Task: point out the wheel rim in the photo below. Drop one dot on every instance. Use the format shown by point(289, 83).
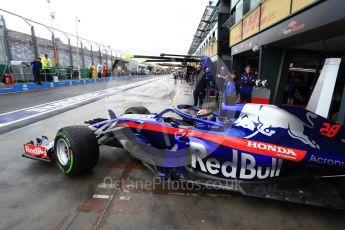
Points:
point(62, 152)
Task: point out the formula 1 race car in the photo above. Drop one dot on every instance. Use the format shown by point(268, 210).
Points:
point(291, 157)
point(277, 152)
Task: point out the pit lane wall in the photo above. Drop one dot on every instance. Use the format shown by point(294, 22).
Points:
point(47, 85)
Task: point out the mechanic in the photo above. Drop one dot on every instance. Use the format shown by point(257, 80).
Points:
point(209, 75)
point(247, 83)
point(201, 85)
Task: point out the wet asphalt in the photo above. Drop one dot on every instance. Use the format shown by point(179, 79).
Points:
point(14, 101)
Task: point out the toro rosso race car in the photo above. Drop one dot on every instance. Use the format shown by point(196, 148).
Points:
point(276, 152)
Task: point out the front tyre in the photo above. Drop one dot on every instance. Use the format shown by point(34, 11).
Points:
point(76, 150)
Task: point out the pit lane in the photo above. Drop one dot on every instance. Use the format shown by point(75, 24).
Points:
point(38, 196)
point(58, 101)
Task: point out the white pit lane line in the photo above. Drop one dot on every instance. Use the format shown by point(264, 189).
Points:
point(68, 102)
point(100, 196)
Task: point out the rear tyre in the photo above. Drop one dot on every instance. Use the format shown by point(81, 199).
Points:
point(76, 150)
point(137, 110)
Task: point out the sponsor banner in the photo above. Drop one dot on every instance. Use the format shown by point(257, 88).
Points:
point(297, 5)
point(236, 34)
point(34, 150)
point(270, 12)
point(296, 25)
point(251, 24)
point(273, 11)
point(293, 27)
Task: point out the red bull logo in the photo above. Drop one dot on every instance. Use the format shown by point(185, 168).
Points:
point(38, 151)
point(264, 119)
point(293, 26)
point(242, 166)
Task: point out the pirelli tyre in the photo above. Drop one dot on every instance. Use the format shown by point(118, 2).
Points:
point(76, 149)
point(137, 110)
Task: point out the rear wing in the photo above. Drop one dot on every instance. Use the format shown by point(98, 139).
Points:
point(321, 97)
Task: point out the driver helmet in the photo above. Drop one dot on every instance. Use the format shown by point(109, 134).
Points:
point(205, 113)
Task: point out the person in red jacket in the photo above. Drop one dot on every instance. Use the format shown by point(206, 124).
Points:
point(105, 70)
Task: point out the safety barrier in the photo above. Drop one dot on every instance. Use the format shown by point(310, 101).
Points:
point(47, 85)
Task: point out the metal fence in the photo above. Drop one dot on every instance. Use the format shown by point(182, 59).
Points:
point(66, 57)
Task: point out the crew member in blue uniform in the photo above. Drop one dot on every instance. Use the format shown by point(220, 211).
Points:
point(247, 83)
point(202, 80)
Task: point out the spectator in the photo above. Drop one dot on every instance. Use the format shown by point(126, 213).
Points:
point(36, 70)
point(94, 72)
point(99, 70)
point(201, 85)
point(105, 70)
point(90, 70)
point(46, 66)
point(247, 83)
point(8, 79)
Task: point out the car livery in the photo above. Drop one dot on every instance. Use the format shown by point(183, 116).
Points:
point(278, 152)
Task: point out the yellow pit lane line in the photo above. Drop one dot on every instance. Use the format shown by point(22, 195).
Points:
point(175, 97)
